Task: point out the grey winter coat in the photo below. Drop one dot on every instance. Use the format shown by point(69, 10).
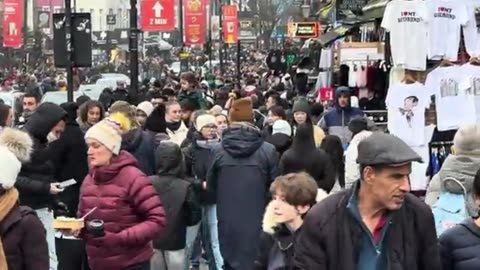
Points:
point(462, 168)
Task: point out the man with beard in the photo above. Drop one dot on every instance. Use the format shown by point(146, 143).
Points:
point(243, 167)
point(31, 101)
point(375, 225)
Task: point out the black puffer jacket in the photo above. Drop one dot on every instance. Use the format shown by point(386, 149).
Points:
point(198, 159)
point(35, 177)
point(303, 156)
point(242, 170)
point(69, 155)
point(177, 195)
point(460, 247)
point(330, 234)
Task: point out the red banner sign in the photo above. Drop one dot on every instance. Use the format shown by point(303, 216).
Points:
point(194, 25)
point(158, 15)
point(12, 23)
point(230, 24)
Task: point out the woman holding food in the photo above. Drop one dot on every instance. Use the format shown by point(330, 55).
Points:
point(124, 212)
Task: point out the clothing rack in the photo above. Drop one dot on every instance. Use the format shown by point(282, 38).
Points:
point(437, 152)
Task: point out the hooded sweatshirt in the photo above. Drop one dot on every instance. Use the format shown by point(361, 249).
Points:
point(335, 122)
point(461, 168)
point(304, 156)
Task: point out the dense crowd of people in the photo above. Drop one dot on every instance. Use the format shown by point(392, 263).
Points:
point(237, 177)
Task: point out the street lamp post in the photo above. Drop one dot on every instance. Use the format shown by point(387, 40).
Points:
point(133, 48)
point(68, 35)
point(305, 9)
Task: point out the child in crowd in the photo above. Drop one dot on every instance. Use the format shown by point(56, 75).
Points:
point(460, 245)
point(293, 195)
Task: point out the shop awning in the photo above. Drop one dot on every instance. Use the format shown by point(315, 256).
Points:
point(336, 33)
point(374, 9)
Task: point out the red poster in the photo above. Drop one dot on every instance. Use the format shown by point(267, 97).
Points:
point(195, 18)
point(12, 23)
point(230, 24)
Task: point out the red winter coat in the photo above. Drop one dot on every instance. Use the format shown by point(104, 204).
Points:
point(130, 208)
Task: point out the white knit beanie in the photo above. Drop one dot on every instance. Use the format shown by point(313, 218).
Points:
point(203, 121)
point(107, 132)
point(15, 148)
point(146, 107)
point(467, 140)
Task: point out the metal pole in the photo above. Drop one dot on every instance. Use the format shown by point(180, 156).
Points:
point(68, 33)
point(239, 46)
point(210, 51)
point(180, 25)
point(25, 35)
point(133, 48)
point(220, 22)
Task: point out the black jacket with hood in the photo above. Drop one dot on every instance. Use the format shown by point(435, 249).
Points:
point(242, 170)
point(69, 155)
point(36, 176)
point(177, 195)
point(303, 156)
point(197, 160)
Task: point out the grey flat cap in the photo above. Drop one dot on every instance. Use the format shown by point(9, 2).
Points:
point(386, 149)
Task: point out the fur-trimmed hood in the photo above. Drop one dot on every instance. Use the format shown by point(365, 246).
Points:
point(18, 142)
point(269, 223)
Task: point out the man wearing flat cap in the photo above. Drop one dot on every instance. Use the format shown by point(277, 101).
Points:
point(375, 225)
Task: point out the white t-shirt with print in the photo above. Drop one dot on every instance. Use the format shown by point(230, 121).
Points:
point(406, 105)
point(471, 32)
point(446, 17)
point(455, 107)
point(471, 85)
point(407, 23)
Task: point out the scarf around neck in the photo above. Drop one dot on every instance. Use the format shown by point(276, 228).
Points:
point(8, 200)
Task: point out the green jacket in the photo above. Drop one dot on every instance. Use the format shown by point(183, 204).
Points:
point(195, 97)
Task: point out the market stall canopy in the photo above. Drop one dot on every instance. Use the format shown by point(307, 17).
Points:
point(374, 9)
point(159, 42)
point(371, 10)
point(336, 33)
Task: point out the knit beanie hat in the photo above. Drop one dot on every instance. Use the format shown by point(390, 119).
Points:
point(126, 109)
point(467, 140)
point(15, 148)
point(301, 105)
point(282, 127)
point(146, 107)
point(203, 121)
point(241, 110)
point(109, 131)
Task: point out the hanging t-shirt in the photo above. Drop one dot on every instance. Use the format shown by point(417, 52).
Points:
point(406, 104)
point(471, 32)
point(455, 107)
point(407, 23)
point(445, 20)
point(471, 85)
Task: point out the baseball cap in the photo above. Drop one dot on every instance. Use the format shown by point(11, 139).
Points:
point(385, 149)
